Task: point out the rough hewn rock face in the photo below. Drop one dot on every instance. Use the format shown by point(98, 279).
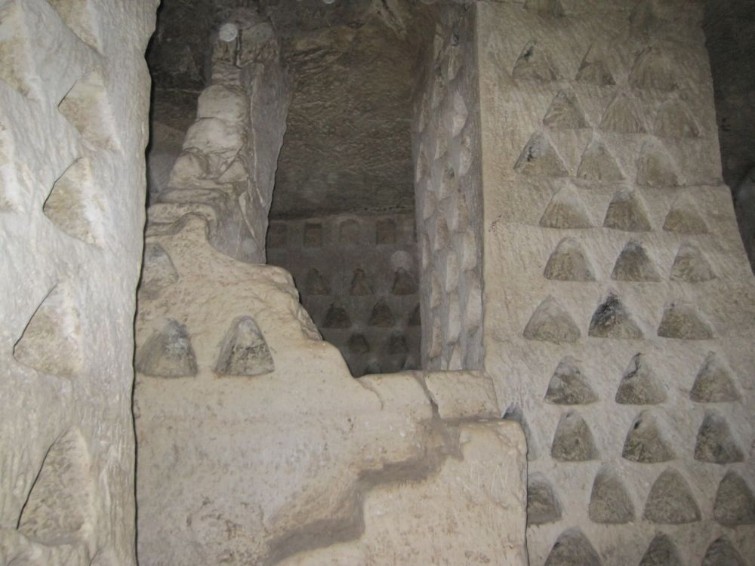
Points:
point(302, 462)
point(227, 166)
point(446, 145)
point(348, 141)
point(74, 96)
point(619, 303)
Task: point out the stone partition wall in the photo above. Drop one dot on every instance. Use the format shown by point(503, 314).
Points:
point(227, 168)
point(446, 147)
point(619, 302)
point(74, 95)
point(357, 276)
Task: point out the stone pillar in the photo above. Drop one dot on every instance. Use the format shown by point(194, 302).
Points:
point(619, 302)
point(226, 171)
point(448, 188)
point(74, 96)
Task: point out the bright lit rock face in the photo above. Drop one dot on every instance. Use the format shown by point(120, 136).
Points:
point(74, 96)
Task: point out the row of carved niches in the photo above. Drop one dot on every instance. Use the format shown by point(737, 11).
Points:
point(569, 261)
point(668, 501)
point(621, 209)
point(168, 351)
point(573, 547)
point(551, 322)
point(640, 384)
point(357, 276)
point(341, 231)
point(375, 333)
point(651, 439)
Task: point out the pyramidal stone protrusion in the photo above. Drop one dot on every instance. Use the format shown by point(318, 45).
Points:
point(572, 547)
point(18, 69)
point(336, 317)
point(396, 344)
point(609, 500)
point(645, 442)
point(73, 206)
point(722, 553)
point(77, 15)
point(627, 212)
point(62, 501)
point(315, 283)
point(534, 64)
point(573, 440)
point(540, 159)
point(621, 117)
point(381, 315)
point(661, 552)
point(655, 168)
point(551, 323)
point(51, 341)
point(714, 382)
point(542, 504)
point(653, 71)
point(715, 443)
point(670, 500)
point(404, 283)
point(685, 218)
point(566, 211)
point(167, 353)
point(691, 265)
point(598, 164)
point(569, 262)
point(568, 386)
point(684, 322)
point(565, 113)
point(633, 264)
point(639, 385)
point(594, 70)
point(158, 271)
point(735, 502)
point(551, 8)
point(360, 286)
point(87, 107)
point(358, 344)
point(612, 320)
point(674, 120)
point(244, 351)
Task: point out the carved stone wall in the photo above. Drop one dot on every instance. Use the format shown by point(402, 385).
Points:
point(74, 95)
point(619, 302)
point(357, 277)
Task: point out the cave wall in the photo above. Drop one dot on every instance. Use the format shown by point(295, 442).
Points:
point(618, 299)
point(74, 97)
